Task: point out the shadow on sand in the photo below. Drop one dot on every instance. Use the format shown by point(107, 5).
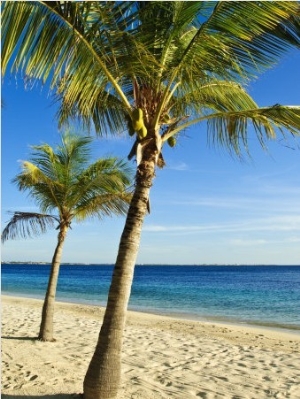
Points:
point(52, 396)
point(20, 338)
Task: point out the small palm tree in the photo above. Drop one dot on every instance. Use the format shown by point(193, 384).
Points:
point(62, 179)
point(156, 67)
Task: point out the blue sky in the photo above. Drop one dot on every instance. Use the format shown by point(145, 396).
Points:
point(207, 207)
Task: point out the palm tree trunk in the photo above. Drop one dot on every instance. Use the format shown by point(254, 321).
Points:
point(103, 376)
point(46, 327)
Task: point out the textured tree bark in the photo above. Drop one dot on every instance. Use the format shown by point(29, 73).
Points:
point(103, 377)
point(46, 327)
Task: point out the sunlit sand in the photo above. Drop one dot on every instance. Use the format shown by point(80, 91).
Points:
point(162, 357)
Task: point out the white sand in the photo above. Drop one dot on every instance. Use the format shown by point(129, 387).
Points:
point(162, 357)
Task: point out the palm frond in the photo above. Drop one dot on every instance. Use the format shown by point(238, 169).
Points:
point(74, 152)
point(64, 179)
point(117, 169)
point(94, 51)
point(229, 111)
point(234, 41)
point(38, 179)
point(44, 42)
point(106, 111)
point(211, 96)
point(27, 225)
point(108, 176)
point(242, 39)
point(232, 129)
point(103, 205)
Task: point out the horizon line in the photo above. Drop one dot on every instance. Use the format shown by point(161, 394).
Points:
point(148, 264)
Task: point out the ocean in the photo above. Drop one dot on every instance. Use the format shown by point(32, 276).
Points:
point(258, 295)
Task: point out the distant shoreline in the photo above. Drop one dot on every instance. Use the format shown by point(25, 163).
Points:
point(151, 264)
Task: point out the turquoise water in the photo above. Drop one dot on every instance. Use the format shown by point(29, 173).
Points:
point(262, 295)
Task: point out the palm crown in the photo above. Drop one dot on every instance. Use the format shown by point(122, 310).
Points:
point(180, 62)
point(63, 180)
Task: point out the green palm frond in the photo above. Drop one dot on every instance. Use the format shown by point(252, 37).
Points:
point(219, 43)
point(232, 129)
point(105, 112)
point(31, 174)
point(236, 37)
point(211, 96)
point(230, 111)
point(39, 179)
point(258, 33)
point(46, 43)
point(106, 177)
point(74, 153)
point(27, 224)
point(110, 168)
point(63, 177)
point(100, 43)
point(95, 53)
point(103, 205)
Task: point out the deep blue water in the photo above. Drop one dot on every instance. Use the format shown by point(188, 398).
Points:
point(264, 295)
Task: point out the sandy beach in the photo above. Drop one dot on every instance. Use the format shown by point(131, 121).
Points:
point(162, 358)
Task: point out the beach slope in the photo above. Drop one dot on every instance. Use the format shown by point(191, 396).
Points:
point(162, 357)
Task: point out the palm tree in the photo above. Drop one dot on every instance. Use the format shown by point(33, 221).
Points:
point(157, 67)
point(62, 179)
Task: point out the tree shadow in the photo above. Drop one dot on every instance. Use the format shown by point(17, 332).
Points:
point(52, 396)
point(20, 338)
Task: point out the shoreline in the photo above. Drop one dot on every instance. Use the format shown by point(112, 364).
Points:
point(91, 310)
point(155, 264)
point(293, 329)
point(162, 358)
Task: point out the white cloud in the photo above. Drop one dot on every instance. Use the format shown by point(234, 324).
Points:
point(292, 240)
point(180, 166)
point(269, 224)
point(247, 243)
point(286, 205)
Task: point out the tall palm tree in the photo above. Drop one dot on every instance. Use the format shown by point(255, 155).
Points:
point(157, 67)
point(63, 179)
